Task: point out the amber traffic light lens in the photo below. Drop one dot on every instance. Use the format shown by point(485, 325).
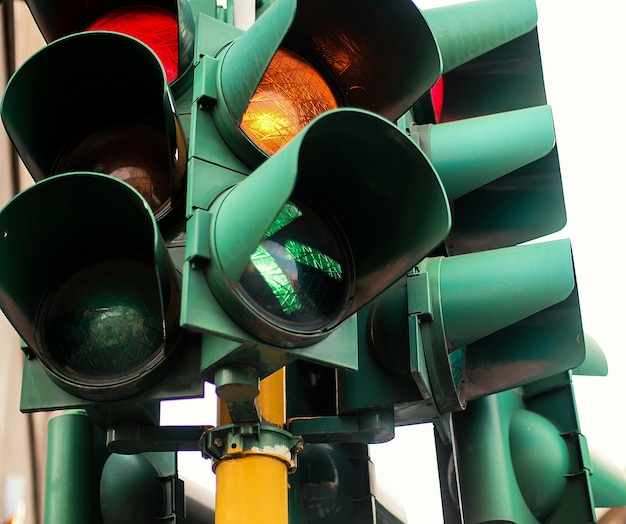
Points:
point(290, 95)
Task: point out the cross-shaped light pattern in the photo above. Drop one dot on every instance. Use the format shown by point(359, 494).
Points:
point(274, 274)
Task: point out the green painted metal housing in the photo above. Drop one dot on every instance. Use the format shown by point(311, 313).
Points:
point(492, 63)
point(99, 367)
point(343, 42)
point(75, 457)
point(92, 229)
point(464, 327)
point(87, 68)
point(471, 153)
point(505, 165)
point(321, 32)
point(223, 182)
point(518, 323)
point(520, 457)
point(141, 489)
point(367, 161)
point(91, 252)
point(494, 150)
point(458, 29)
point(85, 483)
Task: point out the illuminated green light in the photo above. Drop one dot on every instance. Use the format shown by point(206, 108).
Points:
point(297, 273)
point(314, 258)
point(276, 279)
point(272, 272)
point(286, 215)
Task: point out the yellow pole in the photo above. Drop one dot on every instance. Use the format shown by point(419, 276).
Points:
point(252, 486)
point(271, 399)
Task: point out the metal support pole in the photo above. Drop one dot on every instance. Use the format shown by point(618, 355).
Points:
point(70, 495)
point(252, 478)
point(251, 489)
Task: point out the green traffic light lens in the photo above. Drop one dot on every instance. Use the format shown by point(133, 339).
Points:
point(103, 324)
point(299, 275)
point(135, 153)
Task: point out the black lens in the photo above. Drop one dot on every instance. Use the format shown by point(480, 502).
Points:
point(136, 153)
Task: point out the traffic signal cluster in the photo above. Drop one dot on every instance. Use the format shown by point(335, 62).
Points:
point(341, 189)
point(543, 464)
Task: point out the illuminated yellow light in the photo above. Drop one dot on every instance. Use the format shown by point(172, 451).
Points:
point(290, 95)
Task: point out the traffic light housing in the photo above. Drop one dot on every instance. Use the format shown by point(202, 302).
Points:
point(141, 488)
point(462, 327)
point(519, 456)
point(86, 483)
point(97, 137)
point(89, 329)
point(253, 285)
point(479, 80)
point(101, 316)
point(166, 26)
point(480, 314)
point(336, 483)
point(317, 45)
point(362, 268)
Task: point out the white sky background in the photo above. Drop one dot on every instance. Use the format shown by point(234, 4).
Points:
point(582, 54)
point(582, 46)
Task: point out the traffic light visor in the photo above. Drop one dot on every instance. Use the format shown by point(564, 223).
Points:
point(303, 58)
point(101, 114)
point(154, 26)
point(92, 291)
point(165, 26)
point(322, 227)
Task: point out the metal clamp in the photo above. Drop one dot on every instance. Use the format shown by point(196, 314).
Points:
point(237, 440)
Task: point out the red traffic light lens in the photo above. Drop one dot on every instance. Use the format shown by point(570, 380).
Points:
point(154, 26)
point(290, 95)
point(436, 95)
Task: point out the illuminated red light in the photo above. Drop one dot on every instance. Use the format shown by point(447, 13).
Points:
point(154, 26)
point(436, 95)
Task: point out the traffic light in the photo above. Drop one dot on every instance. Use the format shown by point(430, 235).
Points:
point(141, 488)
point(298, 209)
point(89, 273)
point(481, 314)
point(336, 483)
point(166, 26)
point(492, 82)
point(519, 456)
point(85, 483)
point(462, 327)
